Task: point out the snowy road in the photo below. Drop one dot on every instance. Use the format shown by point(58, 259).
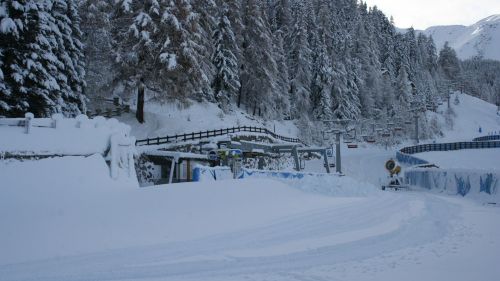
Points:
point(409, 234)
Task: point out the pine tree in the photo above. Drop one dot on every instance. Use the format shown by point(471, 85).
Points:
point(300, 60)
point(449, 63)
point(226, 81)
point(96, 27)
point(258, 83)
point(42, 59)
point(403, 91)
point(321, 89)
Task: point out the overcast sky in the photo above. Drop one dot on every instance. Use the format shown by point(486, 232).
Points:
point(424, 13)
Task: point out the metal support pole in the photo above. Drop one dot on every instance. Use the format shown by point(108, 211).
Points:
point(172, 167)
point(337, 150)
point(416, 128)
point(295, 154)
point(327, 165)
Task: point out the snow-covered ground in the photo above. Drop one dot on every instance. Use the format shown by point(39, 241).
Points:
point(256, 229)
point(471, 114)
point(476, 159)
point(172, 118)
point(66, 219)
point(481, 38)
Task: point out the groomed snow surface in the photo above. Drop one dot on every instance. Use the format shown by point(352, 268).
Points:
point(69, 221)
point(66, 219)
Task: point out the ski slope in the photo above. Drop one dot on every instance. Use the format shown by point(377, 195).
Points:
point(470, 115)
point(65, 219)
point(250, 230)
point(56, 228)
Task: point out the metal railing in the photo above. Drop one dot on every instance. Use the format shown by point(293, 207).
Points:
point(211, 134)
point(488, 138)
point(405, 154)
point(450, 146)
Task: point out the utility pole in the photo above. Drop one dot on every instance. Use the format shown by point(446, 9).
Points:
point(337, 150)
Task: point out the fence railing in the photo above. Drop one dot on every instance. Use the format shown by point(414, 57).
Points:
point(211, 134)
point(112, 107)
point(450, 146)
point(405, 154)
point(488, 138)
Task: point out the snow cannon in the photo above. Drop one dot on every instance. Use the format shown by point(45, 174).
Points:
point(392, 167)
point(394, 181)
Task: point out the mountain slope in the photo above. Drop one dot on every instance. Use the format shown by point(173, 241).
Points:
point(481, 38)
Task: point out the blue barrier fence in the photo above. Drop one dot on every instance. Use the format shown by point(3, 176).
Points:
point(456, 182)
point(409, 159)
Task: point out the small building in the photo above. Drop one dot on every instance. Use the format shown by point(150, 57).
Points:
point(176, 167)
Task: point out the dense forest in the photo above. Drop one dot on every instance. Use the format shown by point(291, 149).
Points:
point(279, 59)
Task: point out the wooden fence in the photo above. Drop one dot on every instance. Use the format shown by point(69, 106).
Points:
point(211, 134)
point(112, 107)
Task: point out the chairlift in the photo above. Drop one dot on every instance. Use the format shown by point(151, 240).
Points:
point(408, 122)
point(386, 135)
point(398, 129)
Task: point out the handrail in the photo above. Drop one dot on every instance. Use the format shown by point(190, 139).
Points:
point(488, 138)
point(450, 146)
point(213, 133)
point(405, 154)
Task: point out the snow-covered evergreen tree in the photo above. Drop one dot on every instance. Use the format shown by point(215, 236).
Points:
point(300, 62)
point(226, 82)
point(96, 27)
point(42, 67)
point(321, 89)
point(449, 63)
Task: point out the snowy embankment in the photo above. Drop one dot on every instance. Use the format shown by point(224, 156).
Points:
point(59, 139)
point(80, 136)
point(174, 118)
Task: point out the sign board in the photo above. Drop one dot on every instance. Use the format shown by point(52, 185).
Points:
point(329, 152)
point(236, 153)
point(212, 155)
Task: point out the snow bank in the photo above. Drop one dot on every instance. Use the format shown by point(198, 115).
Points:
point(54, 217)
point(476, 184)
point(324, 184)
point(60, 136)
point(69, 173)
